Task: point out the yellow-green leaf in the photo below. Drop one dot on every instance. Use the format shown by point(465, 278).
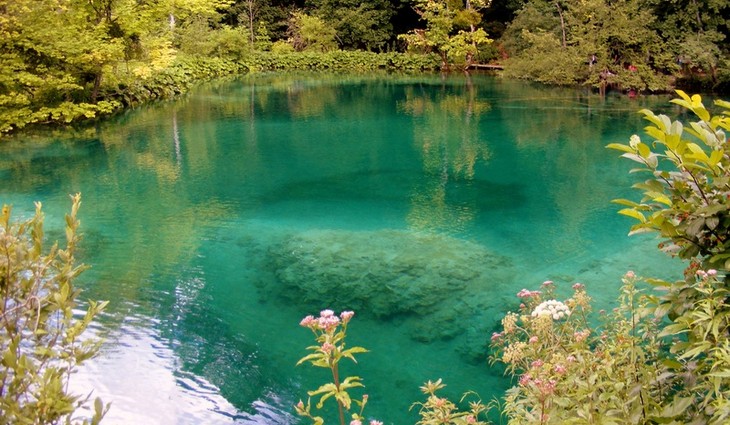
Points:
point(630, 212)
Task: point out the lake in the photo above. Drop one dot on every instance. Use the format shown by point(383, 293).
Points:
point(215, 222)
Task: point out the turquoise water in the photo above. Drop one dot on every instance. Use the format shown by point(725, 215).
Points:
point(215, 222)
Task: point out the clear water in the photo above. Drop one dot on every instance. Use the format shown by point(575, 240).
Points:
point(215, 222)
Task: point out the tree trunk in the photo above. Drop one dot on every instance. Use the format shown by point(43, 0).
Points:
point(562, 24)
point(97, 86)
point(251, 14)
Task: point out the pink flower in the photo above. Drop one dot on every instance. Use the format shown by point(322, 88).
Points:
point(547, 387)
point(470, 419)
point(578, 286)
point(524, 293)
point(525, 380)
point(533, 339)
point(364, 398)
point(496, 336)
point(570, 358)
point(547, 283)
point(523, 306)
point(374, 422)
point(630, 275)
point(355, 422)
point(346, 316)
point(326, 313)
point(712, 272)
point(581, 336)
point(328, 322)
point(307, 322)
point(559, 369)
point(327, 347)
point(536, 364)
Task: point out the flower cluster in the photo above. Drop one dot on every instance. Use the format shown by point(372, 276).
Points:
point(551, 308)
point(704, 274)
point(524, 293)
point(509, 322)
point(326, 321)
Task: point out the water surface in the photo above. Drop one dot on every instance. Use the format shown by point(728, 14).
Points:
point(215, 222)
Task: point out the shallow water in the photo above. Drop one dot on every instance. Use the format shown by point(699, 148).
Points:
point(215, 222)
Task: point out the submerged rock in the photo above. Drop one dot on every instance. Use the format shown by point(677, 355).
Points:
point(437, 279)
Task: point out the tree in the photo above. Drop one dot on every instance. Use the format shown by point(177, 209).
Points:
point(363, 25)
point(591, 42)
point(311, 33)
point(40, 333)
point(53, 57)
point(451, 31)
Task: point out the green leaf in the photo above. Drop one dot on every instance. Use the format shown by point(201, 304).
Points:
point(620, 147)
point(354, 350)
point(650, 116)
point(626, 202)
point(656, 133)
point(644, 150)
point(630, 212)
point(314, 357)
point(716, 157)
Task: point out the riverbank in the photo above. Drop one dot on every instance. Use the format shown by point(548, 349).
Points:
point(126, 86)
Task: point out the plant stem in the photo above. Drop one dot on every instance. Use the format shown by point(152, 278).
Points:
point(336, 380)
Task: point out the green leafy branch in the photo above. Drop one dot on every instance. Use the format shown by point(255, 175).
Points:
point(686, 199)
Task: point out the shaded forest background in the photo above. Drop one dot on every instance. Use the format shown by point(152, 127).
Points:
point(65, 60)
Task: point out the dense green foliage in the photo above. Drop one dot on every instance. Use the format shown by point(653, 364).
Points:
point(660, 357)
point(687, 197)
point(41, 341)
point(67, 60)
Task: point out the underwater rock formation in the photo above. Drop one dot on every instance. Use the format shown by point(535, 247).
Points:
point(387, 273)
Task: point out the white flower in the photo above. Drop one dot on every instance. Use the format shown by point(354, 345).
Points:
point(552, 308)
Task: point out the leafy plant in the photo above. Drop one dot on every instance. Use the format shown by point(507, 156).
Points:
point(41, 332)
point(451, 31)
point(570, 372)
point(686, 201)
point(330, 332)
point(687, 197)
point(442, 411)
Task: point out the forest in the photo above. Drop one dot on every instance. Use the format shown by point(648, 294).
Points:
point(70, 60)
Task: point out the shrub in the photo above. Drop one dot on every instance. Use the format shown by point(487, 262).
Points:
point(40, 329)
point(570, 372)
point(686, 199)
point(657, 359)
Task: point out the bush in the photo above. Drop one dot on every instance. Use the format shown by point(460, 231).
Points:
point(656, 359)
point(40, 333)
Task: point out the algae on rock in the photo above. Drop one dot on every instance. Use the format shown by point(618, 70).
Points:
point(387, 273)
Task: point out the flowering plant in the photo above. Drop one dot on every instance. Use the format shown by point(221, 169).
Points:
point(441, 411)
point(569, 371)
point(330, 331)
